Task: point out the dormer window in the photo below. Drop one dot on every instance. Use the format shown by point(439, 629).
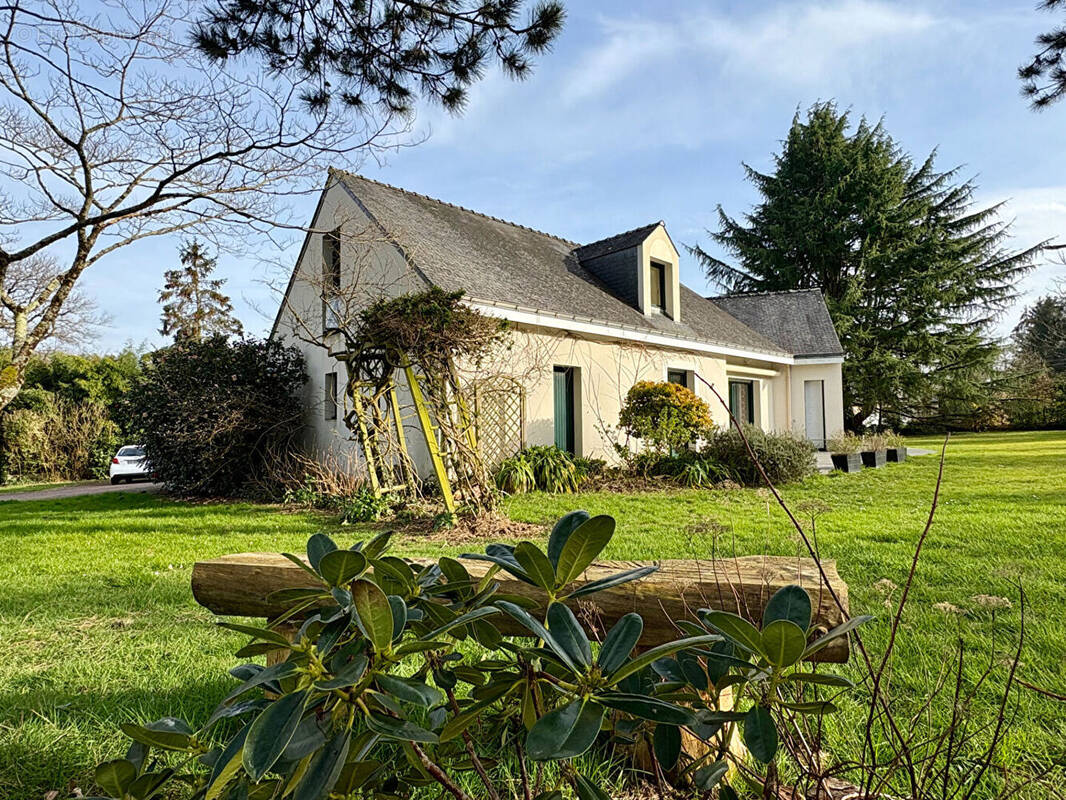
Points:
point(658, 287)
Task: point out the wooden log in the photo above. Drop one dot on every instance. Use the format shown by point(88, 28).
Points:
point(239, 585)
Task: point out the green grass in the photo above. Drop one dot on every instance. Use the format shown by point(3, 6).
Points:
point(99, 625)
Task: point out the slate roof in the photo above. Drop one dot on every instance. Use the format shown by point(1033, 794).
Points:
point(620, 241)
point(796, 320)
point(502, 263)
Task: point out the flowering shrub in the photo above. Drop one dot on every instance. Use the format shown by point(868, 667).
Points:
point(665, 416)
point(209, 412)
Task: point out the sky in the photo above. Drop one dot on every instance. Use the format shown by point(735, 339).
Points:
point(648, 111)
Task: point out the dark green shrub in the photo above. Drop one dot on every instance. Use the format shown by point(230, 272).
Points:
point(785, 457)
point(210, 413)
point(546, 468)
point(377, 697)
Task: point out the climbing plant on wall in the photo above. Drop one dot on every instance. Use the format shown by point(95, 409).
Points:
point(426, 337)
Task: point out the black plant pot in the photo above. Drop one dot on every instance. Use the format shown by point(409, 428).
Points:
point(897, 455)
point(847, 462)
point(874, 458)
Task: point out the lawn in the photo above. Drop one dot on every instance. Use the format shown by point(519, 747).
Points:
point(100, 625)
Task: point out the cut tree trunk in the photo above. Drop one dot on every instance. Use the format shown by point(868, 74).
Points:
point(239, 585)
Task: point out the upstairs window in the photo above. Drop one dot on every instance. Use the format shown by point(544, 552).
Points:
point(331, 262)
point(658, 287)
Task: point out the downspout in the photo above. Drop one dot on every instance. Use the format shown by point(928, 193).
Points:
point(788, 397)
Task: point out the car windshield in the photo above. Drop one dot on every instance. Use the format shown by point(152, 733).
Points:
point(131, 451)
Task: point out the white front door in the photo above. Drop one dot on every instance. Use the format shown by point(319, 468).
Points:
point(814, 409)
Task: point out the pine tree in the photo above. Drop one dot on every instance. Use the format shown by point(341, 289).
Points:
point(913, 274)
point(193, 304)
point(1044, 77)
point(1041, 332)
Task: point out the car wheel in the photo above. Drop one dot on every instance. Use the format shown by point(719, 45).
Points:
point(115, 480)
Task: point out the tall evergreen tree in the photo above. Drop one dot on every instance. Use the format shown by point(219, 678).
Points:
point(914, 275)
point(193, 304)
point(1041, 332)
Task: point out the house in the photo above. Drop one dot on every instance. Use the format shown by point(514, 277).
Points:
point(587, 322)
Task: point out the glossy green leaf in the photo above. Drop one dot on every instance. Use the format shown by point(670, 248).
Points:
point(561, 532)
point(566, 732)
point(377, 546)
point(166, 734)
point(115, 777)
point(692, 669)
point(536, 565)
point(302, 565)
point(270, 733)
point(338, 567)
point(399, 615)
point(791, 603)
point(459, 621)
point(619, 642)
point(783, 642)
point(582, 547)
point(612, 581)
point(817, 708)
point(666, 742)
point(399, 729)
point(569, 634)
point(289, 597)
point(553, 794)
point(587, 790)
point(661, 651)
point(317, 546)
point(264, 634)
point(645, 707)
point(737, 629)
point(348, 675)
point(409, 690)
point(324, 770)
point(148, 783)
point(522, 616)
point(840, 630)
point(508, 563)
point(227, 764)
point(760, 734)
point(706, 778)
point(276, 672)
point(374, 614)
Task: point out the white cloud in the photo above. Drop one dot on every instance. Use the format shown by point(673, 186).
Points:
point(794, 45)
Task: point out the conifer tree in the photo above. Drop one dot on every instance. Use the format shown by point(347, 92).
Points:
point(194, 306)
point(914, 274)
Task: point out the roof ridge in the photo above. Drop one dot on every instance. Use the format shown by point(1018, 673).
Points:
point(762, 294)
point(622, 233)
point(573, 245)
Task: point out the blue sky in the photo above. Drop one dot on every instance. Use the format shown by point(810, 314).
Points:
point(645, 111)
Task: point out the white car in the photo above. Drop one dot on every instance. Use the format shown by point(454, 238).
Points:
point(129, 464)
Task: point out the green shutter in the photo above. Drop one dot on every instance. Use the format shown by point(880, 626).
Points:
point(564, 408)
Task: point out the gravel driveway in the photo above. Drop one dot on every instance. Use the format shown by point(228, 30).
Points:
point(80, 490)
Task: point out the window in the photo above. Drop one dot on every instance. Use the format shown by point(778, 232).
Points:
point(331, 281)
point(742, 401)
point(658, 287)
point(331, 262)
point(678, 376)
point(330, 395)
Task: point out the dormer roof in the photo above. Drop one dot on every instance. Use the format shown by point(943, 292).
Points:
point(499, 263)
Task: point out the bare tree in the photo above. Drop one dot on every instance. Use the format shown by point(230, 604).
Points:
point(114, 129)
point(76, 326)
